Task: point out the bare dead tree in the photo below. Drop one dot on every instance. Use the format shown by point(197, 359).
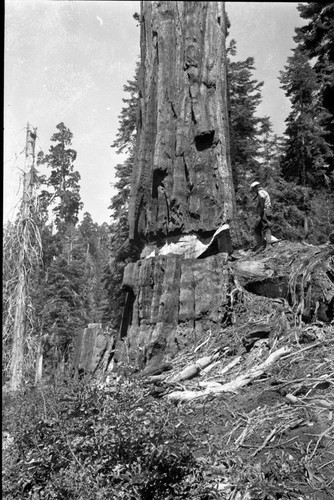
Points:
point(28, 243)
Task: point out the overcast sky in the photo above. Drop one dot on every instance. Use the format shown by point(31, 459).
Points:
point(67, 61)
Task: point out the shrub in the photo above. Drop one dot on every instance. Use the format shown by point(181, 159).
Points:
point(80, 442)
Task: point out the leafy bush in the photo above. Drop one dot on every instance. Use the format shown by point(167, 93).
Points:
point(83, 442)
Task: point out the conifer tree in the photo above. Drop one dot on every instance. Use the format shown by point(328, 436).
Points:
point(253, 145)
point(95, 243)
point(61, 298)
point(244, 97)
point(65, 302)
point(316, 40)
point(307, 152)
point(121, 253)
point(63, 179)
point(22, 252)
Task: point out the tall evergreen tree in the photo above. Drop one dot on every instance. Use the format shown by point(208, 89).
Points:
point(63, 179)
point(95, 241)
point(121, 253)
point(254, 148)
point(125, 143)
point(307, 151)
point(244, 98)
point(61, 297)
point(316, 40)
point(65, 302)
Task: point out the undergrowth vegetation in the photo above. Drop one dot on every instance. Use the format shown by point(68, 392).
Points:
point(271, 440)
point(79, 442)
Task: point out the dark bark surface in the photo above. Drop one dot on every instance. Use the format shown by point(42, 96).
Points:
point(182, 180)
point(92, 349)
point(177, 300)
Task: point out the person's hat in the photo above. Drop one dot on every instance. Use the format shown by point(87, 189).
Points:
point(253, 185)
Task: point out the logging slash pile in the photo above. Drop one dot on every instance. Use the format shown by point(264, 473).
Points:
point(259, 395)
point(262, 408)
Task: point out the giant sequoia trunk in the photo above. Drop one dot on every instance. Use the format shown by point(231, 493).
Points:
point(182, 190)
point(182, 181)
point(182, 202)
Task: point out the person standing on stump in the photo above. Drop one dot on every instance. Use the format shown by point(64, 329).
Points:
point(262, 227)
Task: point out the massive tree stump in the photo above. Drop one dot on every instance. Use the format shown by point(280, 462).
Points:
point(176, 300)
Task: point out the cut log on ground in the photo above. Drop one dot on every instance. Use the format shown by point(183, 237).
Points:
point(194, 369)
point(233, 385)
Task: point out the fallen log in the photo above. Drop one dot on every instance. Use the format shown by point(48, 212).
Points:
point(155, 378)
point(194, 369)
point(156, 368)
point(233, 385)
point(228, 367)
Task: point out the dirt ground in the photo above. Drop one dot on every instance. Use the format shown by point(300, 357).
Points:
point(265, 445)
point(274, 437)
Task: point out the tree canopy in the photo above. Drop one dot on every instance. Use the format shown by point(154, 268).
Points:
point(63, 179)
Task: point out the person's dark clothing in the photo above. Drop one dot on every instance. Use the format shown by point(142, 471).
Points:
point(262, 228)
